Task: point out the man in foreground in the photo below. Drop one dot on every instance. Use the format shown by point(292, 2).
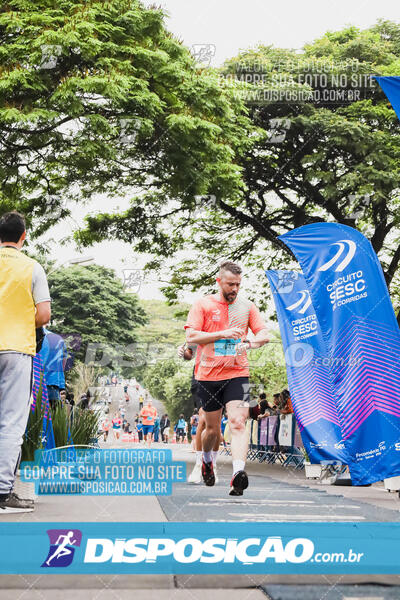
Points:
point(24, 306)
point(219, 324)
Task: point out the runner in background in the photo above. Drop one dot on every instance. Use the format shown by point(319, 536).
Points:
point(106, 426)
point(165, 424)
point(194, 421)
point(141, 400)
point(180, 429)
point(116, 425)
point(126, 395)
point(219, 324)
point(148, 414)
point(224, 421)
point(187, 352)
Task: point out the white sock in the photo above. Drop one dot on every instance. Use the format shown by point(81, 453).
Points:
point(238, 465)
point(214, 456)
point(207, 456)
point(199, 457)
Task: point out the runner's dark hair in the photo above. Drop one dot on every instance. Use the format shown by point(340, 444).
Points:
point(228, 265)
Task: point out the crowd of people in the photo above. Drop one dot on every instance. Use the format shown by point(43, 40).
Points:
point(147, 426)
point(281, 405)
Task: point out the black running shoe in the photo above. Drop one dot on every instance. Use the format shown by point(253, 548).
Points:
point(239, 482)
point(207, 471)
point(15, 504)
point(25, 500)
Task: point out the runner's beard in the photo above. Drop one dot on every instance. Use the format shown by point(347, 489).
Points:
point(229, 297)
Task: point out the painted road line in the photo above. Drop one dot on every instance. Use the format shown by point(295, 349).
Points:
point(276, 505)
point(222, 502)
point(255, 501)
point(298, 517)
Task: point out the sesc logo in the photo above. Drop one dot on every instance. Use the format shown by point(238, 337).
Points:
point(216, 315)
point(304, 302)
point(351, 250)
point(192, 550)
point(62, 547)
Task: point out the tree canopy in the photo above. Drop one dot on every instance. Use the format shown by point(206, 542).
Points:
point(326, 147)
point(91, 302)
point(98, 97)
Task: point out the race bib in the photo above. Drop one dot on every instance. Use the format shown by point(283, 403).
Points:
point(225, 347)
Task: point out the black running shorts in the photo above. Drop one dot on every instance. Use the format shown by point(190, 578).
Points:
point(195, 397)
point(214, 395)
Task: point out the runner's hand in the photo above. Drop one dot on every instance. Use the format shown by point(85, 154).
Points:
point(233, 333)
point(242, 347)
point(185, 352)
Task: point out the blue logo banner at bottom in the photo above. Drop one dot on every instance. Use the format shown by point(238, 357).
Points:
point(214, 548)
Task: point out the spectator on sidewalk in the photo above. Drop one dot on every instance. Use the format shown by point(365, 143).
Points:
point(276, 404)
point(265, 408)
point(24, 306)
point(83, 402)
point(139, 428)
point(156, 433)
point(165, 424)
point(286, 403)
point(70, 398)
point(54, 356)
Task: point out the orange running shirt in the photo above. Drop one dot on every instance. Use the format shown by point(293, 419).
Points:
point(218, 360)
point(148, 413)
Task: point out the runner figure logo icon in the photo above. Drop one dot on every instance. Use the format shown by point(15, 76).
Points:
point(351, 250)
point(62, 547)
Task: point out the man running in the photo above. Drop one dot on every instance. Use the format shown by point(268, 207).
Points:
point(187, 353)
point(140, 402)
point(148, 414)
point(219, 324)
